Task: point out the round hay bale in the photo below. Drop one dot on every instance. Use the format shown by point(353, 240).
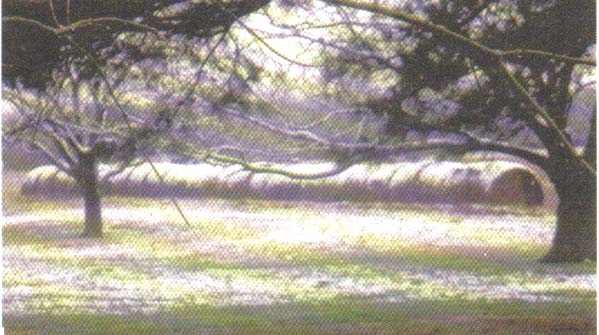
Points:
point(48, 180)
point(404, 184)
point(438, 182)
point(490, 159)
point(141, 182)
point(516, 186)
point(271, 186)
point(494, 182)
point(238, 180)
point(34, 179)
point(378, 186)
point(466, 185)
point(406, 173)
point(124, 182)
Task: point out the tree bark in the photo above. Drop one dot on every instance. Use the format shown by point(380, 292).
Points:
point(88, 185)
point(576, 234)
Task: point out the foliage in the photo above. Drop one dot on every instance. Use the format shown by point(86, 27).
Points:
point(40, 37)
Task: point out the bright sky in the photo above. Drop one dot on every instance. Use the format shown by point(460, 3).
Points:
point(297, 49)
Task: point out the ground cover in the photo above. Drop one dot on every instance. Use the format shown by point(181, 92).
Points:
point(251, 267)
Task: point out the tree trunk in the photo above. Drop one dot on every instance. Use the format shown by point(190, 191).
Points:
point(576, 234)
point(88, 185)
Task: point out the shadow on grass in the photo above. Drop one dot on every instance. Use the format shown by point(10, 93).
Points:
point(343, 315)
point(55, 232)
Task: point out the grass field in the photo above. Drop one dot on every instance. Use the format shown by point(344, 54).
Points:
point(256, 267)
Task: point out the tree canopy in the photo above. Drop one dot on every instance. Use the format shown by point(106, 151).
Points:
point(41, 36)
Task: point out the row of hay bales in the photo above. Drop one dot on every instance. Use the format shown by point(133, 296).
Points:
point(496, 182)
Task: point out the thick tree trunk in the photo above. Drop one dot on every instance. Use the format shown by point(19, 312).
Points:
point(576, 234)
point(88, 185)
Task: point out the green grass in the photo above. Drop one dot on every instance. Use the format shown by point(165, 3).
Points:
point(406, 209)
point(434, 308)
point(96, 267)
point(40, 247)
point(381, 272)
point(342, 315)
point(14, 201)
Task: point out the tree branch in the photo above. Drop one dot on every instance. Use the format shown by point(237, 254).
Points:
point(376, 8)
point(540, 111)
point(52, 158)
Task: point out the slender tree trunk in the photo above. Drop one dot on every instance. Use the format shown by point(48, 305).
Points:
point(88, 185)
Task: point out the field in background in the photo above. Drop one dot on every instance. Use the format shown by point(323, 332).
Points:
point(255, 267)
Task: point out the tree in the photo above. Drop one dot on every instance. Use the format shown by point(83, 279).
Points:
point(75, 125)
point(503, 76)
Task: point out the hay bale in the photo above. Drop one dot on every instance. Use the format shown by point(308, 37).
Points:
point(439, 180)
point(515, 186)
point(494, 182)
point(48, 180)
point(271, 186)
point(237, 180)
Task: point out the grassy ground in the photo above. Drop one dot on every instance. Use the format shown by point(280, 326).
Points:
point(250, 267)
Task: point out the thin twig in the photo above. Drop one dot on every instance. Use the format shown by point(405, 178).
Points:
point(51, 2)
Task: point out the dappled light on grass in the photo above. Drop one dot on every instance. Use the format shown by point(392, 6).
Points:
point(237, 255)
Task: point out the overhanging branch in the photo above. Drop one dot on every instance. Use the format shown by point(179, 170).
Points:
point(376, 8)
point(496, 54)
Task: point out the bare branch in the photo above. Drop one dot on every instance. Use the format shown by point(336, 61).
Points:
point(52, 158)
point(214, 155)
point(545, 54)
